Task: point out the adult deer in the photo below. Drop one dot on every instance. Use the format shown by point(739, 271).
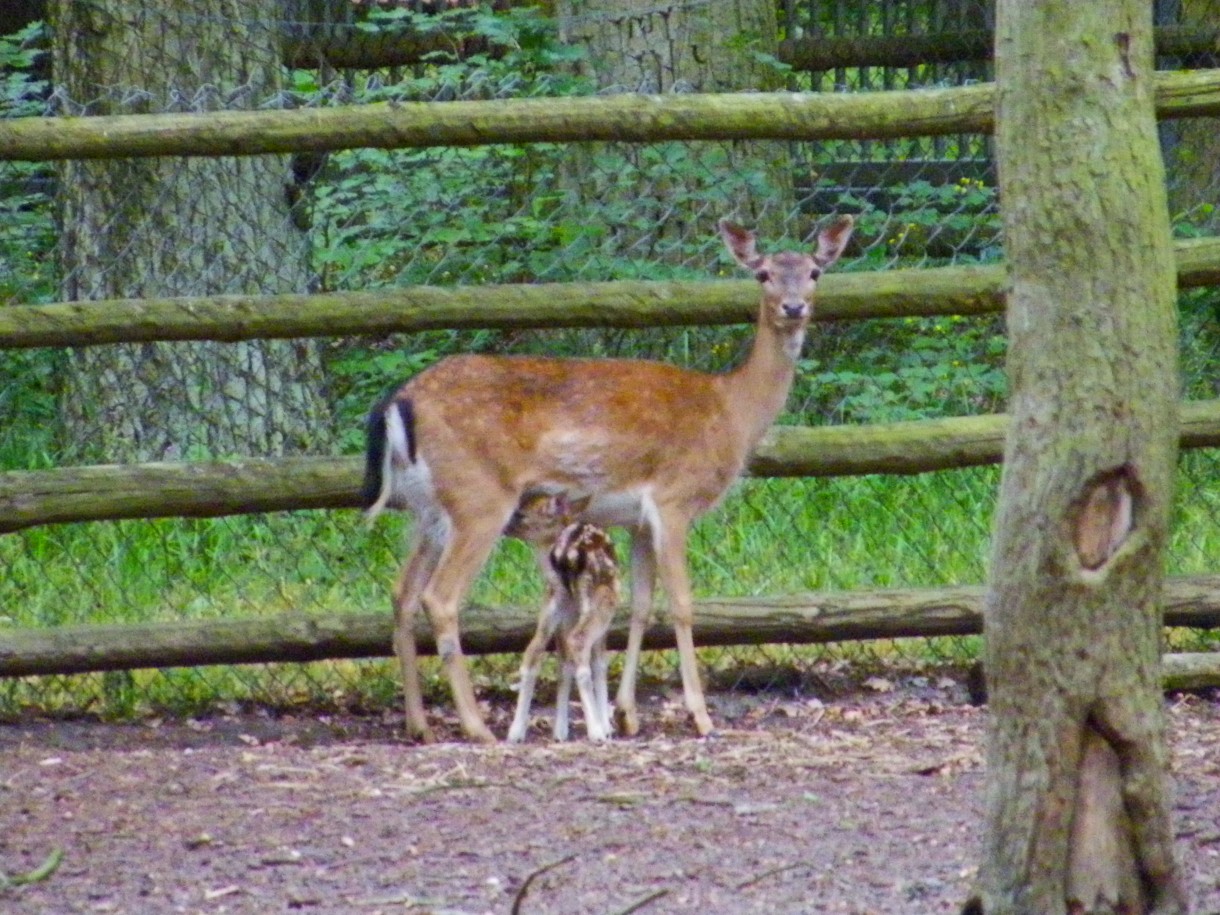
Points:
point(653, 445)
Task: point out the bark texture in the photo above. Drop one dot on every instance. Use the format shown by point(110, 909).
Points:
point(168, 227)
point(637, 46)
point(1078, 805)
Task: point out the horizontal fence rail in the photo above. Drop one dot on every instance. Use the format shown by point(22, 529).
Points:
point(823, 52)
point(634, 304)
point(213, 489)
point(790, 619)
point(365, 50)
point(620, 118)
point(925, 292)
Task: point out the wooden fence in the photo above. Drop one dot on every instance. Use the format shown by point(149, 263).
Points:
point(257, 485)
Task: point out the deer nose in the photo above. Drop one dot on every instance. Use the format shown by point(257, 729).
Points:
point(793, 310)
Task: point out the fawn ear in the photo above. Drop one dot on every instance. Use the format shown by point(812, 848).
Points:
point(741, 244)
point(832, 240)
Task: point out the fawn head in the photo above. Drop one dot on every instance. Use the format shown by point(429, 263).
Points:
point(540, 516)
point(789, 278)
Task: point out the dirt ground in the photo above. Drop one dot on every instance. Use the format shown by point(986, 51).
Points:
point(869, 802)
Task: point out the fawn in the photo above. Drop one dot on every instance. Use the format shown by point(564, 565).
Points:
point(654, 446)
point(582, 594)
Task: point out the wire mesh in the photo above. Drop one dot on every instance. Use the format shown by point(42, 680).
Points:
point(373, 218)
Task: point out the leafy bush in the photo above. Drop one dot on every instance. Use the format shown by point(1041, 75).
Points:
point(890, 371)
point(27, 233)
point(924, 223)
point(479, 215)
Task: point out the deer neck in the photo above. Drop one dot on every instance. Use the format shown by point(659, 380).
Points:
point(758, 388)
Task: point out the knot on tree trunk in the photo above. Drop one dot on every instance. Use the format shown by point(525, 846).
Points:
point(1104, 514)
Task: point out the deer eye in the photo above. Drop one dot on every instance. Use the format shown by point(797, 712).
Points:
point(815, 273)
point(762, 276)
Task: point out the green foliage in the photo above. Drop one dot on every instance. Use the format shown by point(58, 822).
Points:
point(468, 219)
point(479, 215)
point(28, 408)
point(523, 56)
point(913, 368)
point(924, 223)
point(27, 235)
point(1199, 311)
point(20, 92)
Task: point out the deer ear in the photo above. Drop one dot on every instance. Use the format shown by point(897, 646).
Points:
point(741, 244)
point(832, 240)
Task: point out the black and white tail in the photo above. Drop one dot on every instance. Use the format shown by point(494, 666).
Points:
point(390, 430)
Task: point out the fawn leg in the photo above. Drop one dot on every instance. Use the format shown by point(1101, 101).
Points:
point(601, 692)
point(563, 692)
point(579, 651)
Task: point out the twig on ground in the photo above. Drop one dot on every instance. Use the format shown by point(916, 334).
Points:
point(619, 798)
point(640, 903)
point(525, 885)
point(38, 874)
point(708, 801)
point(403, 899)
point(452, 786)
point(758, 878)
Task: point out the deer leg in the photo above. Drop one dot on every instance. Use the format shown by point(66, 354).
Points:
point(581, 648)
point(411, 581)
point(676, 580)
point(601, 692)
point(470, 544)
point(597, 623)
point(567, 671)
point(531, 660)
point(643, 582)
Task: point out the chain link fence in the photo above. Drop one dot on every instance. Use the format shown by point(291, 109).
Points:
point(372, 218)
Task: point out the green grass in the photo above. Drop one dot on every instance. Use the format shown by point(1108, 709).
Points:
point(769, 537)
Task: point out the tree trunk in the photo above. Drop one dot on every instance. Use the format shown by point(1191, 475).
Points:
point(1078, 805)
point(170, 227)
point(676, 192)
